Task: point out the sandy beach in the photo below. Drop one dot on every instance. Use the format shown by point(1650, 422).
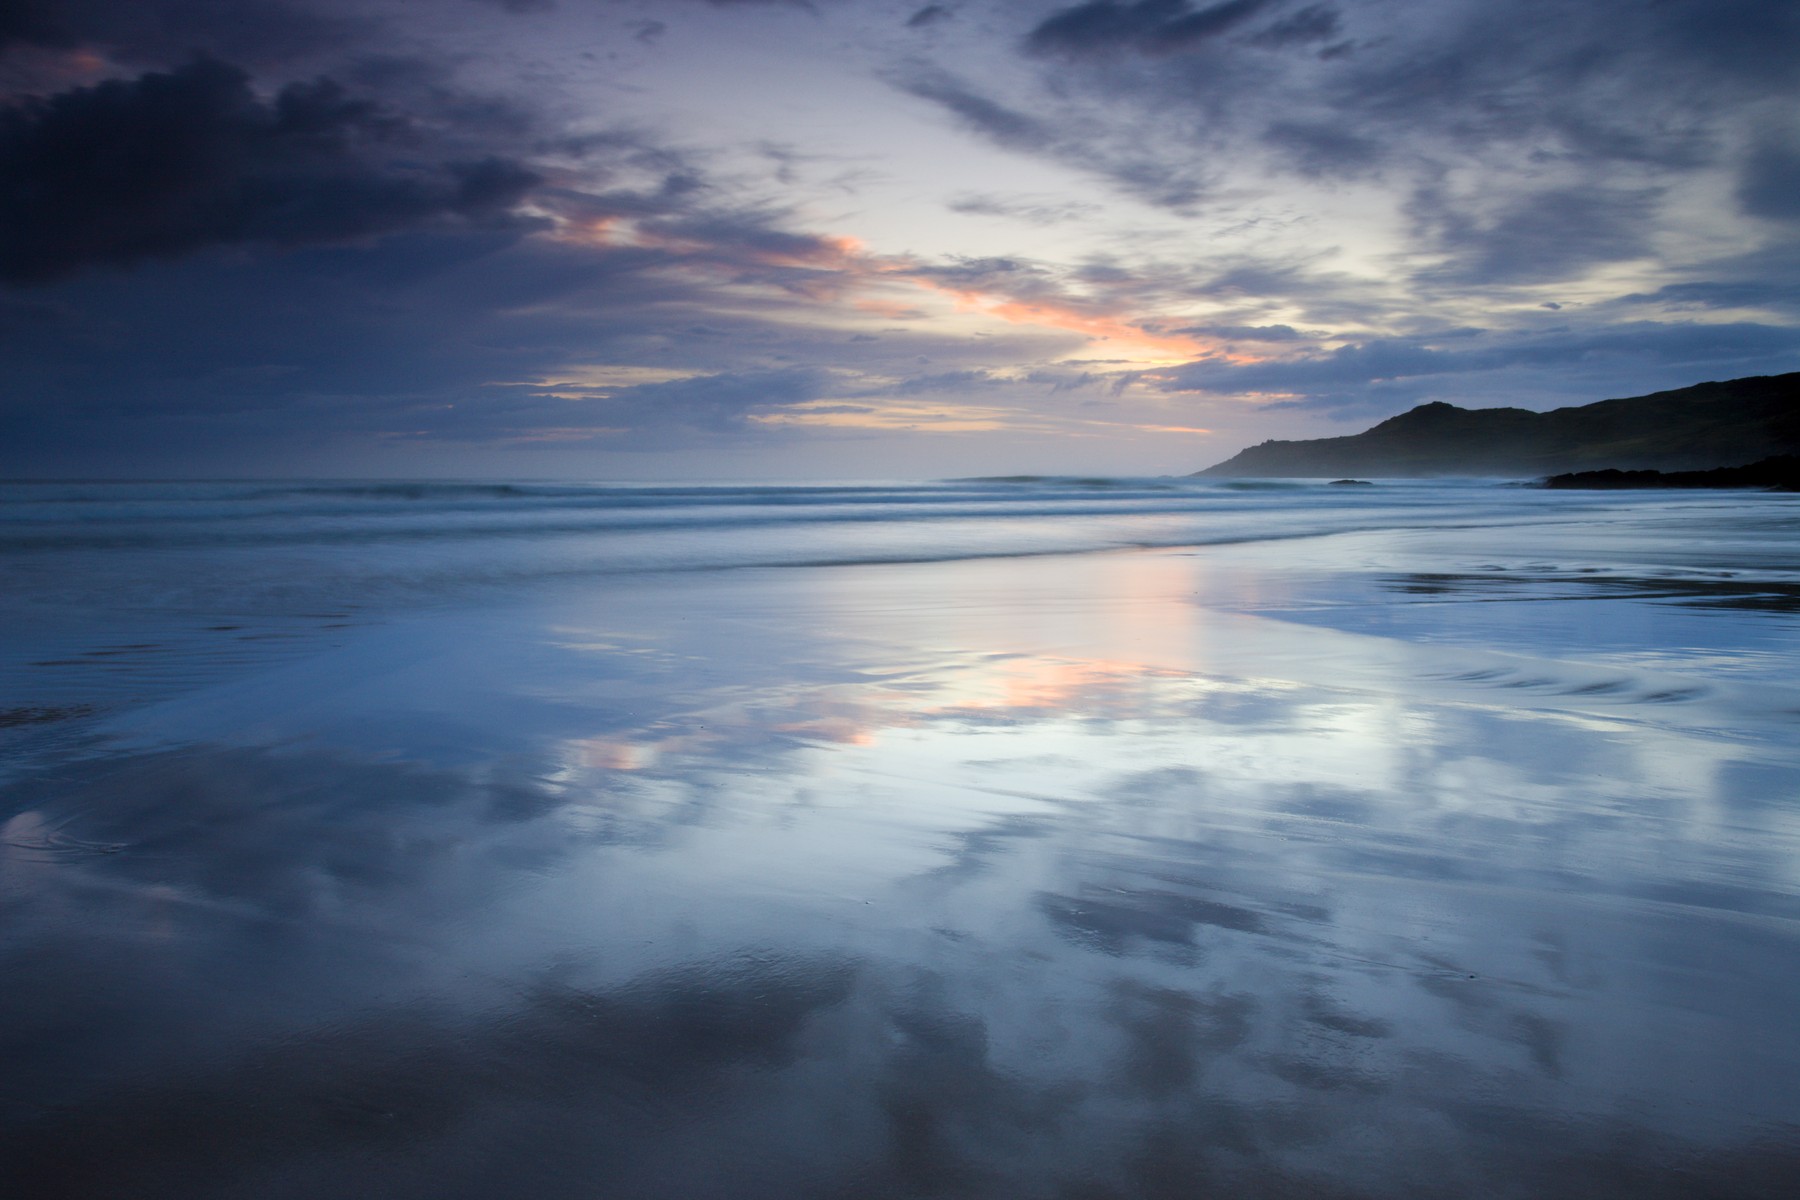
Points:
point(1446, 850)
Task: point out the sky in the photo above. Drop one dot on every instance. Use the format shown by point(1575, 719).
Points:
point(853, 239)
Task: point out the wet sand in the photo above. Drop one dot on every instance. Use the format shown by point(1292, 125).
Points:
point(1424, 863)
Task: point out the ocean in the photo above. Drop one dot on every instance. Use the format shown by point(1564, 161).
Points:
point(1024, 837)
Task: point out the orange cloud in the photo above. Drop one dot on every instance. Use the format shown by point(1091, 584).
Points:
point(830, 268)
point(1120, 334)
point(854, 716)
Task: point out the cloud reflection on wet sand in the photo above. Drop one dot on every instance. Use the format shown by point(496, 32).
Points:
point(1076, 888)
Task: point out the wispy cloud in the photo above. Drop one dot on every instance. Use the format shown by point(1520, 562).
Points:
point(1153, 27)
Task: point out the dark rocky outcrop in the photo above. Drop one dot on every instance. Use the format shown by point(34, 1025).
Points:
point(1778, 474)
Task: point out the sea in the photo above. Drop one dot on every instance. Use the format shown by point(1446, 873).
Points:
point(1083, 839)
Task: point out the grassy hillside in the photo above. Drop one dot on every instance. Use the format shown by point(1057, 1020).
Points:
point(1693, 428)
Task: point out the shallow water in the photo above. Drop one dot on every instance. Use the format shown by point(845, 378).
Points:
point(1007, 838)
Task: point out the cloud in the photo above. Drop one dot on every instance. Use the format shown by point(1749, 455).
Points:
point(753, 245)
point(1314, 23)
point(806, 5)
point(1003, 125)
point(1148, 27)
point(1770, 183)
point(1714, 294)
point(394, 255)
point(445, 336)
point(1018, 278)
point(724, 403)
point(1323, 148)
point(170, 163)
point(1031, 209)
point(1517, 96)
point(945, 381)
point(1556, 233)
point(1247, 333)
point(466, 334)
point(165, 32)
point(1392, 373)
point(33, 22)
point(1747, 42)
point(1152, 174)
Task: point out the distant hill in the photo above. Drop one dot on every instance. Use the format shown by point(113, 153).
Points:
point(1693, 428)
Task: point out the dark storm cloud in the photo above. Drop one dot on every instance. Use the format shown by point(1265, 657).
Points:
point(397, 340)
point(379, 290)
point(450, 332)
point(168, 31)
point(173, 162)
point(453, 338)
point(33, 22)
point(1149, 27)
